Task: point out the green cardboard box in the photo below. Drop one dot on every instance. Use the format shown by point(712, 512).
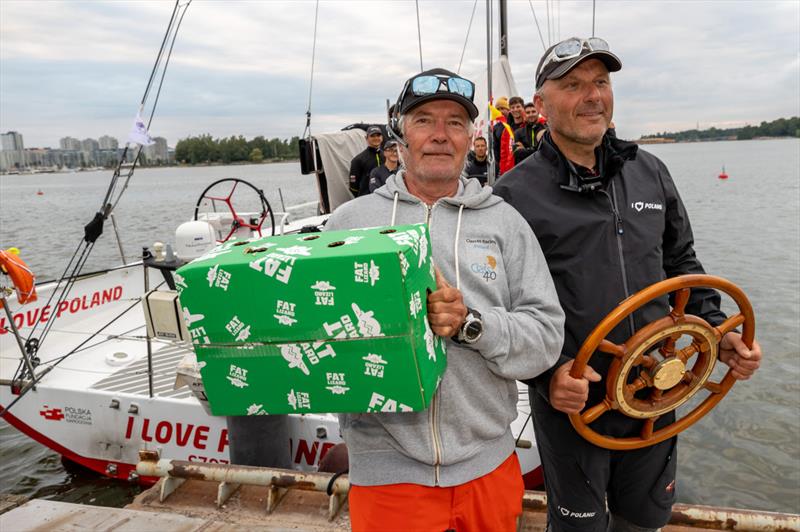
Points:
point(323, 322)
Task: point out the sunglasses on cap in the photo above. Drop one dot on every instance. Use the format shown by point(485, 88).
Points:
point(428, 84)
point(572, 48)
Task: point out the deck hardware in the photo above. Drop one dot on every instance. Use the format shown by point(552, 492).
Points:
point(224, 492)
point(169, 485)
point(524, 444)
point(148, 455)
point(114, 404)
point(322, 433)
point(274, 496)
point(335, 503)
point(133, 477)
point(133, 409)
point(111, 469)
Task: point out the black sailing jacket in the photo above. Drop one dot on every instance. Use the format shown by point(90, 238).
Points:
point(605, 244)
point(360, 167)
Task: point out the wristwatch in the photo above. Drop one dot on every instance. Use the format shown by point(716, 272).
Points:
point(472, 329)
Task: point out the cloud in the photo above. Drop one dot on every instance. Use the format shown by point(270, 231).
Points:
point(79, 68)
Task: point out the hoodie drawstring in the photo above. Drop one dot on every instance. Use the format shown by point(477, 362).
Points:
point(455, 246)
point(394, 207)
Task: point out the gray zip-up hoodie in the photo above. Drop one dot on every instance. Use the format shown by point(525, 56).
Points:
point(487, 250)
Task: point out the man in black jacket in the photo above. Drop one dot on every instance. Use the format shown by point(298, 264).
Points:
point(363, 163)
point(477, 164)
point(610, 222)
point(379, 175)
point(528, 136)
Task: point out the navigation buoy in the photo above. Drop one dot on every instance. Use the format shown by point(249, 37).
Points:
point(723, 175)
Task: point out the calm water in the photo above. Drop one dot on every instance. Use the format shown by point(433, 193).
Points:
point(745, 453)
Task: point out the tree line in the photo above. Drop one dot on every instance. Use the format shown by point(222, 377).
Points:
point(782, 127)
point(205, 149)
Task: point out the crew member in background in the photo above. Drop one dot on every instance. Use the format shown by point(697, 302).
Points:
point(500, 104)
point(363, 163)
point(601, 249)
point(477, 161)
point(517, 112)
point(527, 137)
point(379, 175)
point(453, 466)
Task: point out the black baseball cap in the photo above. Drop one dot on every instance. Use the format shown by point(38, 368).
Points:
point(443, 85)
point(389, 143)
point(374, 130)
point(551, 67)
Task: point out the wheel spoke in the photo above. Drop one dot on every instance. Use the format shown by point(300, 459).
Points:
point(647, 429)
point(648, 361)
point(686, 353)
point(690, 378)
point(596, 411)
point(668, 347)
point(637, 385)
point(681, 298)
point(656, 394)
point(611, 348)
point(713, 387)
point(729, 325)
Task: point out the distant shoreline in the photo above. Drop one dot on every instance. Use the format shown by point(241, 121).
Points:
point(661, 140)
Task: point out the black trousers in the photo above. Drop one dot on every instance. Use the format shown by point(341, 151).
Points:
point(259, 441)
point(580, 477)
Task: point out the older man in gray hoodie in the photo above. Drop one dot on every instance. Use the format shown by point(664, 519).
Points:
point(453, 466)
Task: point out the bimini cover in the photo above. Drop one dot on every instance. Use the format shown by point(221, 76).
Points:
point(336, 151)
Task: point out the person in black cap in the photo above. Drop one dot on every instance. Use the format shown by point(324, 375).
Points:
point(610, 222)
point(452, 465)
point(363, 163)
point(379, 175)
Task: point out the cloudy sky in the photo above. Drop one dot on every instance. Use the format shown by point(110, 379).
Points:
point(79, 68)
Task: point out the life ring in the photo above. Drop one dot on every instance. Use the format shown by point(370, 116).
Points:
point(21, 276)
point(667, 375)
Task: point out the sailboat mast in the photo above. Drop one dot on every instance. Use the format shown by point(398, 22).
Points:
point(503, 29)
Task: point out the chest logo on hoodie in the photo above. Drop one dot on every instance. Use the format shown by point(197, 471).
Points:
point(640, 206)
point(483, 254)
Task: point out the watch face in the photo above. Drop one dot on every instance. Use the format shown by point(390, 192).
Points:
point(473, 329)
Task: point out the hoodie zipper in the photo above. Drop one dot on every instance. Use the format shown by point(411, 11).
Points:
point(433, 411)
point(620, 230)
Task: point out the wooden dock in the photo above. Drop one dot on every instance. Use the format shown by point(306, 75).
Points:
point(192, 507)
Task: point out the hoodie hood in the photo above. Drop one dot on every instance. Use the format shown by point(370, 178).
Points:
point(471, 194)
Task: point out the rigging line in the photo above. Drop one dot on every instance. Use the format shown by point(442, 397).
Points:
point(419, 37)
point(466, 39)
point(311, 78)
point(58, 283)
point(148, 87)
point(152, 111)
point(558, 4)
point(593, 8)
point(536, 20)
point(166, 62)
point(57, 361)
point(549, 36)
point(67, 289)
point(160, 54)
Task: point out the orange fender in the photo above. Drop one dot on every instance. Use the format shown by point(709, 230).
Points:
point(21, 276)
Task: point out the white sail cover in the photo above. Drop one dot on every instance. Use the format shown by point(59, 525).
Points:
point(503, 84)
point(336, 151)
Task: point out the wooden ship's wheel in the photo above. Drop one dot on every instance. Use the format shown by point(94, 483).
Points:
point(672, 375)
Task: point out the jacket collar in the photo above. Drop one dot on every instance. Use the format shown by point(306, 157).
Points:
point(612, 154)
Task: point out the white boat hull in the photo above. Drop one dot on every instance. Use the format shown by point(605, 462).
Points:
point(95, 407)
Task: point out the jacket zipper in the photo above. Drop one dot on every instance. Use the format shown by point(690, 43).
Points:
point(619, 232)
point(433, 417)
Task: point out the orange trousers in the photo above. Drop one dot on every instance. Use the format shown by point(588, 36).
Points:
point(491, 503)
